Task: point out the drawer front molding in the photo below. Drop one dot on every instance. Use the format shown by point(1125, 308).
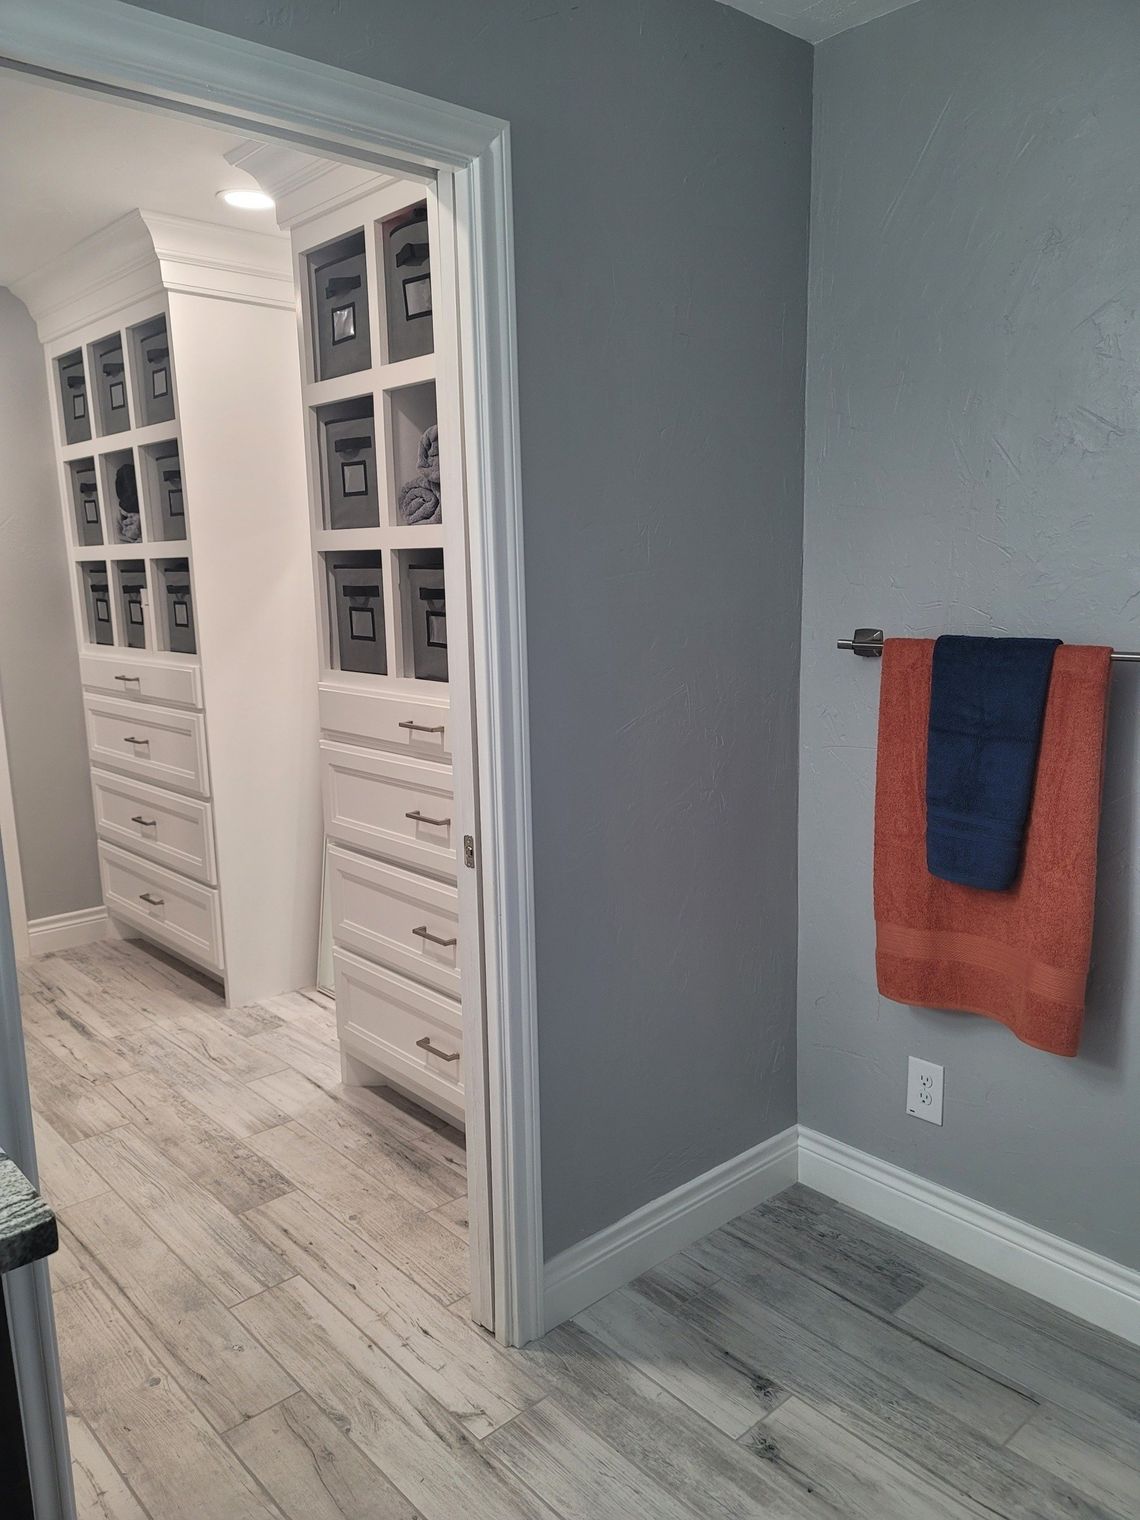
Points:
point(404, 1031)
point(153, 743)
point(168, 828)
point(407, 725)
point(404, 921)
point(389, 805)
point(151, 680)
point(168, 907)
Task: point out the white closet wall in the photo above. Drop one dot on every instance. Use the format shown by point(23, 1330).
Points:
point(198, 671)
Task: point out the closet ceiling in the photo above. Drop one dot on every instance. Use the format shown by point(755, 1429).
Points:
point(816, 19)
point(72, 163)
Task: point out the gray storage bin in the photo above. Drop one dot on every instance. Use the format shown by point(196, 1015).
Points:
point(74, 405)
point(339, 299)
point(357, 593)
point(407, 284)
point(154, 376)
point(109, 377)
point(97, 599)
point(179, 600)
point(85, 499)
point(169, 519)
point(132, 593)
point(348, 449)
point(427, 609)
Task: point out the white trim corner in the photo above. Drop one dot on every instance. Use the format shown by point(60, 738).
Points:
point(1092, 1287)
point(585, 1272)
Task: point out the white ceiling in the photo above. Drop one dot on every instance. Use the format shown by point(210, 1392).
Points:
point(816, 19)
point(72, 163)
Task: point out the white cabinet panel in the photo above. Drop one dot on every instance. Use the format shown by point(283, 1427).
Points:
point(400, 808)
point(168, 907)
point(151, 680)
point(153, 743)
point(173, 830)
point(409, 725)
point(403, 921)
point(404, 1031)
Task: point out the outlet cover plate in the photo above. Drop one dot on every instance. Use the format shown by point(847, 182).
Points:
point(924, 1090)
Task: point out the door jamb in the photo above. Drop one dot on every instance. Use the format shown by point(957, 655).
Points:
point(158, 62)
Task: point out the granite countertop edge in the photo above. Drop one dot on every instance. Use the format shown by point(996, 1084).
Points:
point(28, 1230)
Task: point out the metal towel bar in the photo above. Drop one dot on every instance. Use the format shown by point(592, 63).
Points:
point(868, 642)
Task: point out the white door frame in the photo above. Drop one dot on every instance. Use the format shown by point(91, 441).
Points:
point(10, 846)
point(136, 55)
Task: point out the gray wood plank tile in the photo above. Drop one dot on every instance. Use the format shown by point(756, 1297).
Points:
point(65, 1177)
point(426, 1453)
point(203, 1035)
point(711, 1472)
point(74, 1106)
point(225, 1166)
point(223, 1369)
point(860, 1482)
point(479, 1382)
point(312, 1470)
point(453, 1216)
point(101, 1491)
point(879, 1410)
point(1052, 1369)
point(223, 1251)
point(983, 1400)
point(710, 1377)
point(411, 1239)
point(1099, 1458)
point(233, 1106)
point(293, 1045)
point(175, 1463)
point(580, 1475)
point(802, 1238)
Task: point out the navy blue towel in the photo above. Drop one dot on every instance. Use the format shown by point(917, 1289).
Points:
point(987, 705)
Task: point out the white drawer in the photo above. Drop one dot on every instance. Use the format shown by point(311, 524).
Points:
point(153, 680)
point(393, 806)
point(173, 830)
point(410, 725)
point(153, 743)
point(170, 908)
point(377, 909)
point(409, 1033)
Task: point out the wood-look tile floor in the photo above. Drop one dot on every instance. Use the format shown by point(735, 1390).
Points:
point(261, 1312)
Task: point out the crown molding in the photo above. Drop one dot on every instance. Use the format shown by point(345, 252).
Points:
point(146, 253)
point(303, 187)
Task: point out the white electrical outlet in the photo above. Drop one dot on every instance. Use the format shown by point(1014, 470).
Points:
point(924, 1090)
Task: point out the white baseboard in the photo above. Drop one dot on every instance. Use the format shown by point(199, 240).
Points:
point(67, 930)
point(1065, 1275)
point(614, 1256)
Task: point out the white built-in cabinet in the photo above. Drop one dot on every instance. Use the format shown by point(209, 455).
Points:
point(375, 270)
point(175, 392)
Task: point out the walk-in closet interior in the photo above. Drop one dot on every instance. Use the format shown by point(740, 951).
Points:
point(240, 693)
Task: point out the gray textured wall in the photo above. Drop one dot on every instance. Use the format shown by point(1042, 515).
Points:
point(662, 162)
point(973, 459)
point(39, 669)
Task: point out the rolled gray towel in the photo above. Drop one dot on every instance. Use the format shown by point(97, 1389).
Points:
point(428, 461)
point(419, 501)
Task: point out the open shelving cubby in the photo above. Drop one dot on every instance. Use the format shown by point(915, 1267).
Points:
point(372, 438)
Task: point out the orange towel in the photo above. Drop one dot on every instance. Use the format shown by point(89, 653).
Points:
point(1020, 956)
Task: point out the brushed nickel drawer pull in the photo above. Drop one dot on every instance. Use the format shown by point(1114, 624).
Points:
point(131, 739)
point(420, 728)
point(417, 817)
point(147, 823)
point(129, 678)
point(444, 1055)
point(155, 902)
point(424, 933)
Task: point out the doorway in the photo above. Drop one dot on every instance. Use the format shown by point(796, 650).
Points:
point(466, 163)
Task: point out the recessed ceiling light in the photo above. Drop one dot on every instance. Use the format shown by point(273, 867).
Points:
point(247, 200)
